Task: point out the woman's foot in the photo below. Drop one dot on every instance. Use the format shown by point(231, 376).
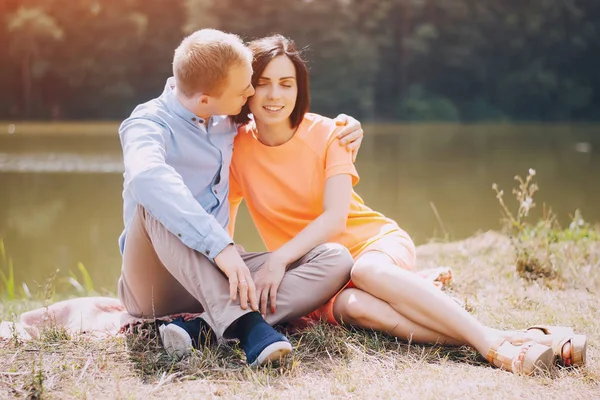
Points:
point(539, 336)
point(526, 359)
point(569, 349)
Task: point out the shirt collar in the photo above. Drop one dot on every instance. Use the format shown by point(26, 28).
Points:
point(175, 105)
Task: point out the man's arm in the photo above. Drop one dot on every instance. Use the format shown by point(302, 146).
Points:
point(157, 187)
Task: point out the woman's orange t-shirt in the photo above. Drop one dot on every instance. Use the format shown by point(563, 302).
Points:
point(283, 186)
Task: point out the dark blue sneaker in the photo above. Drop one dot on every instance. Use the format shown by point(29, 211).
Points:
point(179, 336)
point(265, 345)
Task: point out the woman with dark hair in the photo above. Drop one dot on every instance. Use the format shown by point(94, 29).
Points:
point(297, 181)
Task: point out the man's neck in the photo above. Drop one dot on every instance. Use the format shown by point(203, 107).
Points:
point(274, 135)
point(190, 105)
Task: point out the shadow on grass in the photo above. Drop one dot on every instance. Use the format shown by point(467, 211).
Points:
point(318, 348)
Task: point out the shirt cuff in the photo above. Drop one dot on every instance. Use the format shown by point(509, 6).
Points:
point(215, 241)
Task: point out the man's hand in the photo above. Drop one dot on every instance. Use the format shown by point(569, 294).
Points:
point(268, 279)
point(232, 265)
point(351, 134)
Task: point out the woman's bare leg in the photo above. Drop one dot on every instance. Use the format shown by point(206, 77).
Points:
point(427, 314)
point(359, 308)
point(418, 301)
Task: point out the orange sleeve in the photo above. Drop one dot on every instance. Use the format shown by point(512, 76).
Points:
point(338, 160)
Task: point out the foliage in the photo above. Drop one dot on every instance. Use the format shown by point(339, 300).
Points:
point(410, 60)
point(7, 273)
point(537, 246)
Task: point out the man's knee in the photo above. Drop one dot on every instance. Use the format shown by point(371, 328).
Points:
point(335, 250)
point(336, 256)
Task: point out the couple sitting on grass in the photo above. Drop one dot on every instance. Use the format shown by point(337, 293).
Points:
point(331, 257)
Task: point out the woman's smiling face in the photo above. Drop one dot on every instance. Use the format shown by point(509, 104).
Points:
point(275, 92)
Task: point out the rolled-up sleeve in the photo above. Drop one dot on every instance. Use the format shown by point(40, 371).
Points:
point(158, 188)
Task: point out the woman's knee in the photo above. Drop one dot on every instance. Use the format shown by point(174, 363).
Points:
point(348, 309)
point(372, 275)
point(369, 267)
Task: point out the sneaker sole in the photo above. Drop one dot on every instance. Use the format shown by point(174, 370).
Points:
point(176, 341)
point(273, 352)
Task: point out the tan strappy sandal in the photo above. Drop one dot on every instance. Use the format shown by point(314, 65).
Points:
point(562, 335)
point(533, 357)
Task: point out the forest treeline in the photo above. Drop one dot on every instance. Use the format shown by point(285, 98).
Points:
point(411, 60)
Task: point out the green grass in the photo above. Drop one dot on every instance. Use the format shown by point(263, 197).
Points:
point(84, 284)
point(539, 253)
point(81, 282)
point(7, 274)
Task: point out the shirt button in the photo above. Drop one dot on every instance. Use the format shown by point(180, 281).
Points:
point(194, 119)
point(207, 252)
point(215, 191)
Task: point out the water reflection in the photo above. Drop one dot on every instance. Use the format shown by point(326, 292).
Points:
point(55, 219)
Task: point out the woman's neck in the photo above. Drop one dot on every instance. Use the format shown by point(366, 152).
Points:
point(274, 135)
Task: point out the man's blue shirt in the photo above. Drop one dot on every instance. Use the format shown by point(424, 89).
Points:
point(177, 168)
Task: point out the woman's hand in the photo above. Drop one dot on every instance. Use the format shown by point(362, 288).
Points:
point(351, 133)
point(267, 281)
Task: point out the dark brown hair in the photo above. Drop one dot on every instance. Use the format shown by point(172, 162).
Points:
point(266, 49)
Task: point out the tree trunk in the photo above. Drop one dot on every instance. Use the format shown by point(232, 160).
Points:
point(402, 36)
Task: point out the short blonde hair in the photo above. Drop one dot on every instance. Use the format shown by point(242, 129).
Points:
point(202, 61)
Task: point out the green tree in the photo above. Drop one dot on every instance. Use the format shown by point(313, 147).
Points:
point(31, 30)
point(377, 59)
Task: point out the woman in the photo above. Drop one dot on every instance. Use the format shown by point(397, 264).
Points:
point(297, 182)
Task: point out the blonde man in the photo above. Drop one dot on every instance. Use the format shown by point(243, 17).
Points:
point(177, 254)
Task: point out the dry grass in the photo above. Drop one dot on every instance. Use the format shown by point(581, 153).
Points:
point(332, 362)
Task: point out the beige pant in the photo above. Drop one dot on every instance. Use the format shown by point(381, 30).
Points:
point(162, 276)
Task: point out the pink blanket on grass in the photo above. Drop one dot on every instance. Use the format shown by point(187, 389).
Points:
point(95, 317)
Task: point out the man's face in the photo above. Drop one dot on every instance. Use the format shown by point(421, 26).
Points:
point(237, 90)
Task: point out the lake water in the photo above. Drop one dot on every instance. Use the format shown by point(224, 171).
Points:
point(60, 200)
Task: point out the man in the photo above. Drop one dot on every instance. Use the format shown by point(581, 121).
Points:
point(177, 255)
